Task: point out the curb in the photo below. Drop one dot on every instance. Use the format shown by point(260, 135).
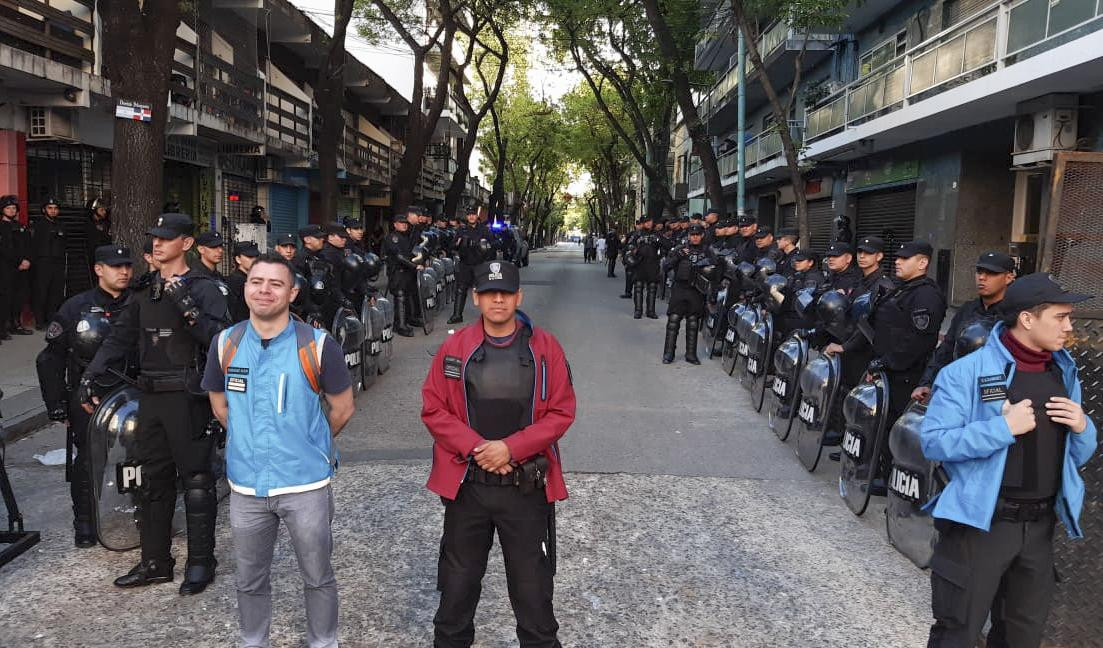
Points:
point(26, 414)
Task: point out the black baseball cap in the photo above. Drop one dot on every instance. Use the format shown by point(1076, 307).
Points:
point(172, 226)
point(995, 262)
point(337, 229)
point(497, 275)
point(912, 248)
point(763, 231)
point(209, 239)
point(354, 223)
point(871, 244)
point(246, 248)
point(414, 209)
point(838, 248)
point(311, 230)
point(113, 255)
point(287, 238)
point(7, 201)
point(50, 201)
point(696, 228)
point(803, 255)
point(399, 217)
point(1035, 289)
point(790, 232)
point(746, 221)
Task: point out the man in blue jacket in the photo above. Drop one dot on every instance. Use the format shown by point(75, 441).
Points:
point(1007, 424)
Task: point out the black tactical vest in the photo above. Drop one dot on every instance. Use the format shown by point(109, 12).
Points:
point(500, 381)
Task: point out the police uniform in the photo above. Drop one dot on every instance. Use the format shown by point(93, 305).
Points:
point(97, 232)
point(612, 249)
point(11, 255)
point(848, 279)
point(235, 282)
point(78, 329)
point(402, 276)
point(49, 265)
point(172, 328)
point(209, 239)
point(788, 319)
point(472, 244)
point(645, 273)
point(690, 265)
point(515, 390)
point(770, 251)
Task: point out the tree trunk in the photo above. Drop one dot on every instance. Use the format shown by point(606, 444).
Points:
point(459, 178)
point(330, 96)
point(702, 144)
point(138, 63)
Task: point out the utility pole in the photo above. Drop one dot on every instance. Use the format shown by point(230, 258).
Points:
point(741, 155)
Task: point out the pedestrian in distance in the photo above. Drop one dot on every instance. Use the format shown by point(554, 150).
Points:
point(282, 390)
point(497, 399)
point(1008, 425)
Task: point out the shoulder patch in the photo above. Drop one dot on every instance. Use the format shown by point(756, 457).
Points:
point(55, 329)
point(453, 367)
point(921, 318)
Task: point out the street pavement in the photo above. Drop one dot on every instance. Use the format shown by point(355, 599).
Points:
point(689, 523)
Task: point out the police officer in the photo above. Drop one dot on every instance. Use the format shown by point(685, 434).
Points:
point(286, 246)
point(316, 263)
point(257, 215)
point(712, 220)
point(843, 275)
point(245, 252)
point(171, 323)
point(687, 298)
point(74, 335)
point(210, 247)
point(905, 324)
point(1008, 425)
point(871, 252)
point(645, 274)
point(473, 244)
point(788, 239)
point(303, 306)
point(402, 271)
point(612, 249)
point(746, 228)
point(765, 247)
point(14, 260)
point(97, 229)
point(496, 416)
point(354, 228)
point(803, 274)
point(48, 246)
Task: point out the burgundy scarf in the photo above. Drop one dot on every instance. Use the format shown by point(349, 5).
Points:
point(1025, 359)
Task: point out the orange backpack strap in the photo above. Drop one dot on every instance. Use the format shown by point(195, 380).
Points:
point(228, 346)
point(309, 352)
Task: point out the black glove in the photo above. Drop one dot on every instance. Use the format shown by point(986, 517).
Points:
point(178, 293)
point(58, 413)
point(85, 392)
point(876, 365)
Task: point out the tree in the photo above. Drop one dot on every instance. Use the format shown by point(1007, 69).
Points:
point(330, 94)
point(138, 63)
point(594, 146)
point(413, 28)
point(802, 16)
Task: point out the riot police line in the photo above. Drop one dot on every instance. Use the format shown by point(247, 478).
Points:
point(133, 339)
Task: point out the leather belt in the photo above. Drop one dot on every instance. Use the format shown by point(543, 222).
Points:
point(1022, 511)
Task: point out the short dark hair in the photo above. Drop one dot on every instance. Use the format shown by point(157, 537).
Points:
point(275, 259)
point(1010, 319)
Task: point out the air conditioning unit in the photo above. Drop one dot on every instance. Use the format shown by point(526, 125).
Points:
point(1043, 126)
point(51, 123)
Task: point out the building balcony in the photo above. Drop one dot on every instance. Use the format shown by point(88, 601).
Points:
point(974, 72)
point(779, 46)
point(764, 161)
point(61, 32)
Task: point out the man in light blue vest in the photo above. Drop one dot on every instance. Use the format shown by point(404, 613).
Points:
point(267, 377)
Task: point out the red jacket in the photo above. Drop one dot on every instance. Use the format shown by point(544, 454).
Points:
point(444, 410)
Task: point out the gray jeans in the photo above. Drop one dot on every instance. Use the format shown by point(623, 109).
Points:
point(255, 522)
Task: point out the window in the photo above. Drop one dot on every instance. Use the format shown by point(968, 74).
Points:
point(883, 53)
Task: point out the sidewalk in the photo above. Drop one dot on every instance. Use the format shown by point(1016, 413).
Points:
point(22, 407)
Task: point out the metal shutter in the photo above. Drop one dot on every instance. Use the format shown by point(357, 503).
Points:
point(955, 11)
point(889, 215)
point(788, 217)
point(283, 210)
point(821, 225)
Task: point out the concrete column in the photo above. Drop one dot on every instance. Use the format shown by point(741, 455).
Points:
point(13, 167)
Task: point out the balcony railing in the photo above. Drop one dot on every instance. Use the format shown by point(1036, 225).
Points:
point(1000, 35)
point(760, 149)
point(46, 31)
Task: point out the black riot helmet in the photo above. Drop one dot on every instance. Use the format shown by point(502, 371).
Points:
point(774, 287)
point(832, 307)
point(971, 337)
point(301, 284)
point(805, 298)
point(764, 268)
point(417, 254)
point(352, 263)
point(745, 270)
point(91, 330)
point(371, 266)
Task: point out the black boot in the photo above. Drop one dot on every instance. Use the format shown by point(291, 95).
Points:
point(400, 325)
point(637, 300)
point(457, 307)
point(627, 285)
point(652, 291)
point(147, 572)
point(673, 324)
point(201, 507)
point(693, 324)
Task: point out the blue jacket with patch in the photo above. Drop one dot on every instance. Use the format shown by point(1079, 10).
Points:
point(970, 437)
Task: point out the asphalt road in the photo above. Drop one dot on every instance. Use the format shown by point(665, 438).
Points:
point(689, 523)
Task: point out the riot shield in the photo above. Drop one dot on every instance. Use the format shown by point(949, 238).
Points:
point(116, 474)
point(708, 331)
point(752, 343)
point(448, 266)
point(913, 481)
point(349, 333)
point(785, 387)
point(759, 364)
point(747, 321)
point(731, 340)
point(817, 398)
point(369, 367)
point(427, 298)
point(864, 438)
point(438, 268)
point(386, 308)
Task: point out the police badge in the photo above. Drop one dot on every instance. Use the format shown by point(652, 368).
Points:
point(921, 318)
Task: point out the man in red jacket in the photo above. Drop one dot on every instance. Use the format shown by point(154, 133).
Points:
point(497, 399)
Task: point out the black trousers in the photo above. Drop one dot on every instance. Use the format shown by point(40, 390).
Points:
point(967, 570)
point(469, 525)
point(685, 300)
point(612, 265)
point(172, 442)
point(49, 288)
point(80, 475)
point(21, 292)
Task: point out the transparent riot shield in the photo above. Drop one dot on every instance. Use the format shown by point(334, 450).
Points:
point(448, 266)
point(438, 267)
point(747, 319)
point(913, 482)
point(759, 364)
point(752, 342)
point(369, 367)
point(817, 398)
point(784, 389)
point(865, 436)
point(386, 308)
point(349, 333)
point(731, 338)
point(427, 298)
